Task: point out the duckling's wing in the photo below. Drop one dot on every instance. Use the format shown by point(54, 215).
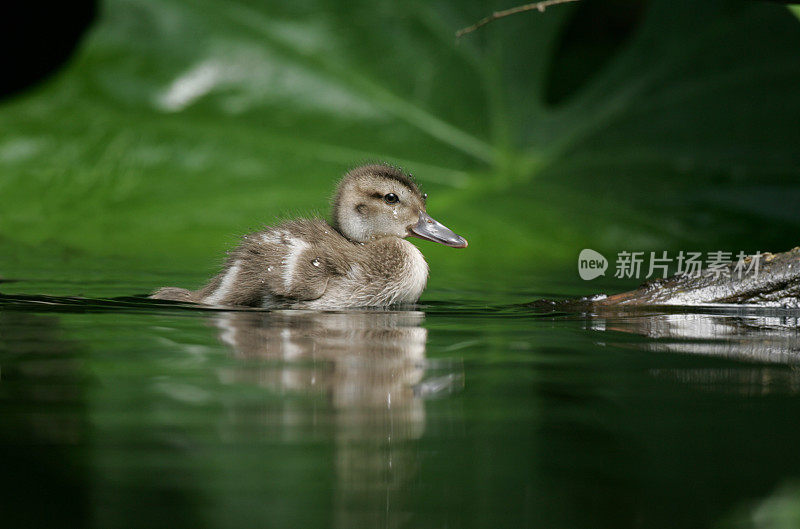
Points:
point(295, 260)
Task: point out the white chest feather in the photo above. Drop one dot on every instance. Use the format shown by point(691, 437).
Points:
point(414, 277)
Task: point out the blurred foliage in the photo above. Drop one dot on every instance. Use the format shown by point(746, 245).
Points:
point(179, 125)
point(779, 509)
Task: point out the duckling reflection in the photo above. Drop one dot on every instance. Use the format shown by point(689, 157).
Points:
point(372, 367)
point(766, 343)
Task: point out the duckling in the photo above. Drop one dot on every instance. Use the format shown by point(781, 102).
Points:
point(361, 259)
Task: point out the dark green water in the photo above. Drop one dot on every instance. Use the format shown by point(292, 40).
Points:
point(463, 412)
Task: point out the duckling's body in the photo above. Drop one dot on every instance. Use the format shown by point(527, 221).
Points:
point(308, 264)
point(360, 261)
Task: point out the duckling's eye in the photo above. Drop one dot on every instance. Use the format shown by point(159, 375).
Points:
point(391, 198)
point(424, 196)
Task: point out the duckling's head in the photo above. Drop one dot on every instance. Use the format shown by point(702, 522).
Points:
point(376, 201)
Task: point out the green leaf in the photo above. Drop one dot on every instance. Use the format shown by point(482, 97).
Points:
point(180, 125)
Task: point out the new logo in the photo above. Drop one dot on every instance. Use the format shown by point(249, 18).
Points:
point(591, 264)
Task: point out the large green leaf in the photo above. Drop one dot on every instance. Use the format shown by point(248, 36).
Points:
point(180, 124)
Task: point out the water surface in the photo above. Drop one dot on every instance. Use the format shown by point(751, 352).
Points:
point(467, 410)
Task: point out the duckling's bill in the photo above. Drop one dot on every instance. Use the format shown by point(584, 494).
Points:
point(431, 230)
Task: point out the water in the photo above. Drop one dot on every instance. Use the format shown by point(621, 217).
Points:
point(468, 410)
